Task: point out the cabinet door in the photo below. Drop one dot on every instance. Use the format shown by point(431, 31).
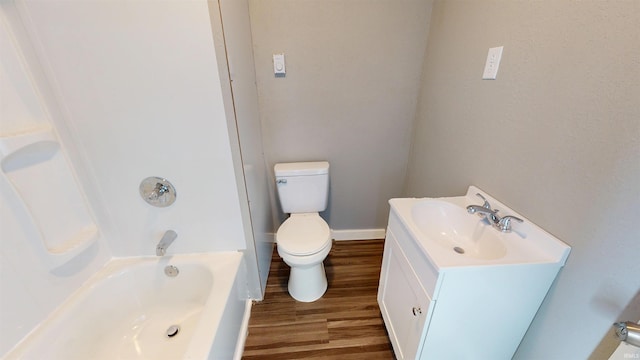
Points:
point(403, 303)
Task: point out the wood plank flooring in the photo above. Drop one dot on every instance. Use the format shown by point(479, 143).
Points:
point(344, 324)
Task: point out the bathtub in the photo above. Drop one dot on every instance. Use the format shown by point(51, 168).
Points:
point(131, 309)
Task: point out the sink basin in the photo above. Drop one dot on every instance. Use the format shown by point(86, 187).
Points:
point(451, 237)
point(452, 227)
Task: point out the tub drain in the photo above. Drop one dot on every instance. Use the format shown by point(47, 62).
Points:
point(458, 249)
point(171, 271)
point(173, 330)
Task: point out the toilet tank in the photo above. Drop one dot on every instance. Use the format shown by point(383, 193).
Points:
point(303, 187)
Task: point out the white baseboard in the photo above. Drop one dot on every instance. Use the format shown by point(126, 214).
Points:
point(358, 234)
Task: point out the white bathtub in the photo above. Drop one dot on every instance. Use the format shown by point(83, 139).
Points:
point(125, 310)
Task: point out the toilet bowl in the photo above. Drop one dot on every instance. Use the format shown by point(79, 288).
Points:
point(303, 242)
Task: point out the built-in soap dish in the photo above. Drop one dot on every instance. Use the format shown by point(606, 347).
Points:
point(44, 184)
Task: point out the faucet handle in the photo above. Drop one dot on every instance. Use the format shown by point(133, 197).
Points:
point(486, 204)
point(505, 223)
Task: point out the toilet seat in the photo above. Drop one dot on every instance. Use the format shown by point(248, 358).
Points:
point(303, 234)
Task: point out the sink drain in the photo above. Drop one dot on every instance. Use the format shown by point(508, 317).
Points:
point(173, 330)
point(458, 249)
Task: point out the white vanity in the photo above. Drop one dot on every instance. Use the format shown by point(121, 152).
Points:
point(455, 285)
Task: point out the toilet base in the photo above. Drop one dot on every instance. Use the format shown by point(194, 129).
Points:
point(307, 284)
point(307, 278)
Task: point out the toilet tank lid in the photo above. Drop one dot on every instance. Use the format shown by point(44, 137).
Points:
point(302, 168)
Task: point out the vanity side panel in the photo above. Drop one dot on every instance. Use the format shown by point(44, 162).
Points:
point(485, 312)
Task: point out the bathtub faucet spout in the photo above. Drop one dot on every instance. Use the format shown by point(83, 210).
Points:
point(167, 239)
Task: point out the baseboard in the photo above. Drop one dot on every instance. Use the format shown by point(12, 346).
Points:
point(244, 330)
point(358, 234)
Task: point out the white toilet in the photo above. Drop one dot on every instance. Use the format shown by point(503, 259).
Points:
point(304, 239)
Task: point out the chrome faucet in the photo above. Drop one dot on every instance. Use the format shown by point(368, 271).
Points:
point(503, 224)
point(167, 239)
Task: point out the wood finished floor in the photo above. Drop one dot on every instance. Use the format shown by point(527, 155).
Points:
point(344, 324)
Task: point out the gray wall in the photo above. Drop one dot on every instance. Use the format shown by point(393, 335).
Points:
point(349, 96)
point(556, 137)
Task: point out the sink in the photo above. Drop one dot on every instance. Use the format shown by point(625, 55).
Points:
point(452, 227)
point(450, 274)
point(449, 236)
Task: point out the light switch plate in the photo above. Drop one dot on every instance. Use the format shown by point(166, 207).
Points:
point(278, 65)
point(493, 62)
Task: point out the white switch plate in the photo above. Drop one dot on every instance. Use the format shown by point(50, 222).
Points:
point(278, 65)
point(493, 62)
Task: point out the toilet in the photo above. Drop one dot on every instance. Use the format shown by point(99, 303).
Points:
point(304, 239)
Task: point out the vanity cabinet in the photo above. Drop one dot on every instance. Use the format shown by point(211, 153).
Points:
point(463, 312)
